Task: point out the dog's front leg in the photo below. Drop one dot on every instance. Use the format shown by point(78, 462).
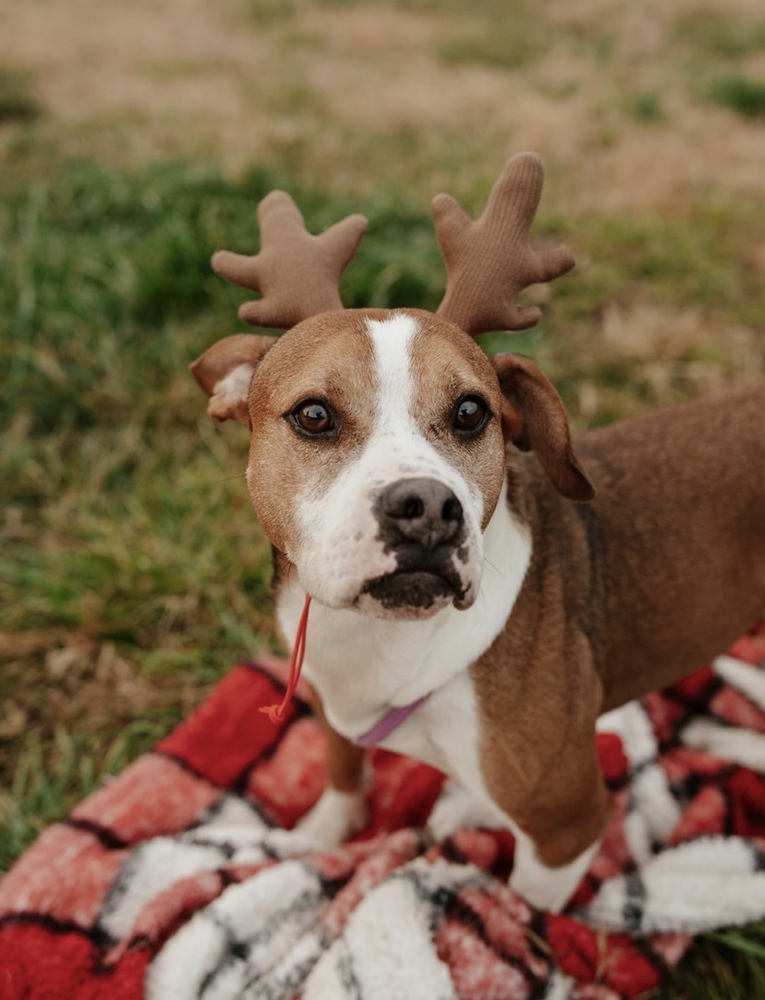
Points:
point(558, 831)
point(340, 811)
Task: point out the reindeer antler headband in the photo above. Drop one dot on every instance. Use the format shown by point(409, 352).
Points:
point(489, 262)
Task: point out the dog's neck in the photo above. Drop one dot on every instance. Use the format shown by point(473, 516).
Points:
point(362, 666)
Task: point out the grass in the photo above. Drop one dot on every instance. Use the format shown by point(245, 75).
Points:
point(726, 37)
point(132, 572)
point(739, 93)
point(645, 106)
point(266, 12)
point(721, 46)
point(726, 965)
point(497, 36)
point(499, 46)
point(18, 102)
point(49, 779)
point(112, 476)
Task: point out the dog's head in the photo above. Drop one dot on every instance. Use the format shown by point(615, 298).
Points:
point(377, 451)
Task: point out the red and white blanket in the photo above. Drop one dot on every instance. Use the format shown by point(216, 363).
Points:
point(172, 882)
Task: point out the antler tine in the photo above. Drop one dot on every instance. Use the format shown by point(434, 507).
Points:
point(297, 274)
point(490, 262)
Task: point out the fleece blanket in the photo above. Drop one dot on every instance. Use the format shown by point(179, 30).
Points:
point(177, 880)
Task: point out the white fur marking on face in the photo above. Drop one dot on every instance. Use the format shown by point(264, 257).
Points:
point(392, 340)
point(400, 450)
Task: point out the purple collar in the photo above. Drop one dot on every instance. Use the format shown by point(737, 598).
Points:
point(392, 720)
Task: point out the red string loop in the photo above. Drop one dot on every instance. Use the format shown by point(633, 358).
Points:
point(276, 713)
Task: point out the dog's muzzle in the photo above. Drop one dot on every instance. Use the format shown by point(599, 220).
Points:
point(422, 523)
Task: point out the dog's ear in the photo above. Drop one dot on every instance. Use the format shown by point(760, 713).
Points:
point(225, 370)
point(534, 420)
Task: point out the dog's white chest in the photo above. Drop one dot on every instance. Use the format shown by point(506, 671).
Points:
point(444, 732)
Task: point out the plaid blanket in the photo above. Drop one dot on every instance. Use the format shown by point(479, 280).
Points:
point(176, 880)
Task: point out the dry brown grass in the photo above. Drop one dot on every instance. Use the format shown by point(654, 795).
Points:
point(331, 85)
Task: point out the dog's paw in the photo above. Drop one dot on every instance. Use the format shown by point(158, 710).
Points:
point(458, 809)
point(544, 887)
point(335, 818)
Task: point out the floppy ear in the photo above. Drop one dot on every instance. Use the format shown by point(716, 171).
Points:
point(225, 370)
point(536, 420)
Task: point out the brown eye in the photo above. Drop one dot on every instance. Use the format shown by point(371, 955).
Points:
point(313, 417)
point(470, 415)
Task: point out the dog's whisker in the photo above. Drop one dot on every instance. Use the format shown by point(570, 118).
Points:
point(496, 569)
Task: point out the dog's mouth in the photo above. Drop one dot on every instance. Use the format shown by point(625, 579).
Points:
point(416, 591)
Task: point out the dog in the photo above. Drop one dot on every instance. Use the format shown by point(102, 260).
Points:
point(485, 586)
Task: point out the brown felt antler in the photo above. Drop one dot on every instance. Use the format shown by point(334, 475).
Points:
point(297, 274)
point(490, 262)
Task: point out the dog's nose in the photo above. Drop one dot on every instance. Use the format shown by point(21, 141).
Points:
point(422, 511)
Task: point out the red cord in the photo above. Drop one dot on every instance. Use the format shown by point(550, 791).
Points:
point(276, 712)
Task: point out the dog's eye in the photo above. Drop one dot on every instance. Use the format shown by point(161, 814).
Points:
point(470, 415)
point(313, 417)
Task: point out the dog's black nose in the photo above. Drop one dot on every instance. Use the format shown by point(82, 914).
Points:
point(423, 511)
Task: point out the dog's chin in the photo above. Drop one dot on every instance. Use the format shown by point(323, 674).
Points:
point(409, 596)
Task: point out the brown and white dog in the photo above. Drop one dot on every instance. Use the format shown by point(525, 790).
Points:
point(475, 604)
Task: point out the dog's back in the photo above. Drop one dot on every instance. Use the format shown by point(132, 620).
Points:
point(678, 536)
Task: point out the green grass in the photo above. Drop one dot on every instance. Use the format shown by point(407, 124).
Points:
point(726, 37)
point(725, 965)
point(645, 106)
point(719, 44)
point(739, 93)
point(266, 12)
point(503, 46)
point(498, 36)
point(50, 779)
point(126, 536)
point(18, 102)
point(696, 256)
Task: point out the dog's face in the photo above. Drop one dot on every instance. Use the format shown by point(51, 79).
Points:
point(377, 451)
point(377, 458)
